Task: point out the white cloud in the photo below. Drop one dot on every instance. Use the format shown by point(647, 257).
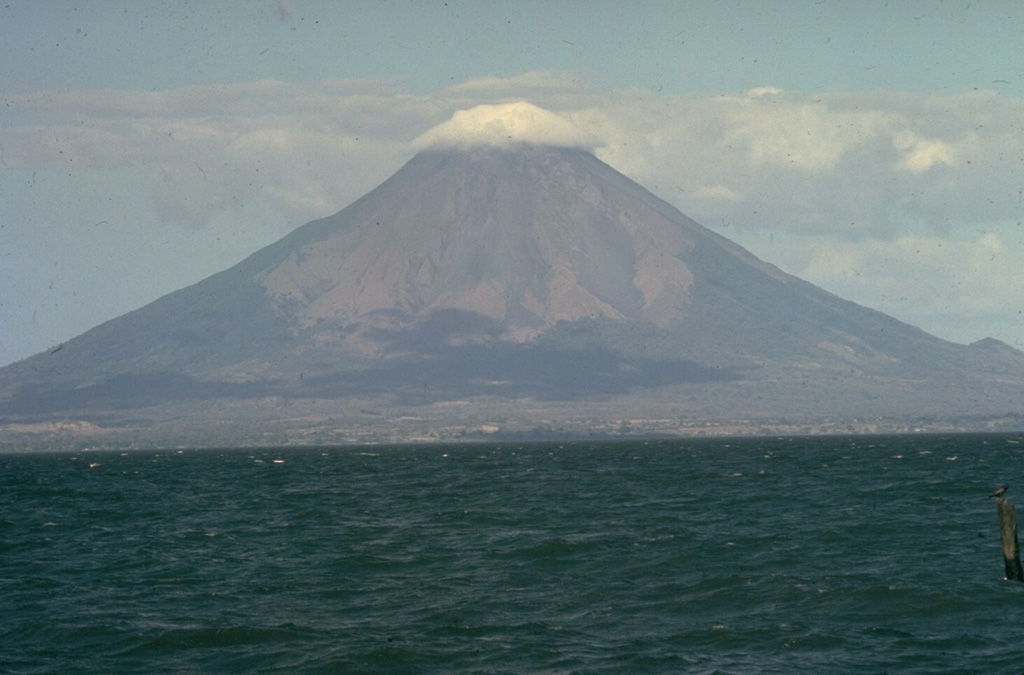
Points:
point(295, 152)
point(503, 125)
point(527, 86)
point(921, 154)
point(948, 285)
point(764, 91)
point(852, 164)
point(797, 134)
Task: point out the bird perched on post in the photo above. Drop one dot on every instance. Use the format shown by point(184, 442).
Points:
point(1000, 491)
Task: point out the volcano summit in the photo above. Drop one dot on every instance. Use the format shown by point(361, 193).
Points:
point(520, 286)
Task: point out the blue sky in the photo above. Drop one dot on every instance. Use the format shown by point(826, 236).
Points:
point(873, 148)
point(424, 46)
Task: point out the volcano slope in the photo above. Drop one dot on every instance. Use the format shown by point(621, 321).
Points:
point(533, 283)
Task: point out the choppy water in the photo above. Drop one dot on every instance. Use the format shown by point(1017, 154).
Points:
point(859, 555)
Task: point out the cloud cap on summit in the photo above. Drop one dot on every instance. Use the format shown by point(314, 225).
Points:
point(503, 125)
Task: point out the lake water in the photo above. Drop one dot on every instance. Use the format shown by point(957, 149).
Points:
point(781, 555)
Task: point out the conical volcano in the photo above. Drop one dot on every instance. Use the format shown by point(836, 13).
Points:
point(525, 277)
point(490, 232)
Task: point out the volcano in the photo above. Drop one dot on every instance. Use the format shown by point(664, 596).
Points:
point(527, 287)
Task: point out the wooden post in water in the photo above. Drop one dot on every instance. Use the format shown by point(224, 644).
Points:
point(1008, 530)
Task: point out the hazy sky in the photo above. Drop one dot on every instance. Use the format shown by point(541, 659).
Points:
point(873, 148)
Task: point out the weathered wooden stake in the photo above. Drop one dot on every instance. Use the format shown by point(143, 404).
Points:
point(1008, 529)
